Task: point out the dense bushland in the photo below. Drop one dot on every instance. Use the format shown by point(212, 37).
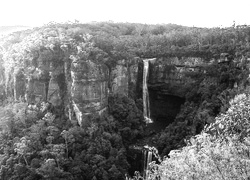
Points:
point(39, 143)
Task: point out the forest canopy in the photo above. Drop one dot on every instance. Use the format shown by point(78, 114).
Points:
point(125, 40)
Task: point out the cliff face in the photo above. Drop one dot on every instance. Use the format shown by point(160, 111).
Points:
point(79, 85)
point(89, 89)
point(170, 75)
point(82, 86)
point(170, 79)
point(124, 77)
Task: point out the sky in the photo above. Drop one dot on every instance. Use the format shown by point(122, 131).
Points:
point(198, 13)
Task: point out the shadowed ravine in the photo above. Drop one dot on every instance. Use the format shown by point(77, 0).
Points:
point(159, 110)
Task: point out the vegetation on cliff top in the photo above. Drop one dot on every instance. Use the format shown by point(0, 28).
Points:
point(125, 41)
point(32, 52)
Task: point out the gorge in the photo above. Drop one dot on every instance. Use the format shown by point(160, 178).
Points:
point(88, 86)
point(95, 101)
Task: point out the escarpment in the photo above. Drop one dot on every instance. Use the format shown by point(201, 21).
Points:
point(136, 91)
point(82, 85)
point(79, 67)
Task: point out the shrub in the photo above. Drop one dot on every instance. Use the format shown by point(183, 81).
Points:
point(220, 152)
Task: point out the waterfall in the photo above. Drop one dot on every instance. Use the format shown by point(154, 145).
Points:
point(147, 159)
point(148, 153)
point(144, 159)
point(145, 98)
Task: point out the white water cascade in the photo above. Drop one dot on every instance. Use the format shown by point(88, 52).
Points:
point(145, 98)
point(147, 159)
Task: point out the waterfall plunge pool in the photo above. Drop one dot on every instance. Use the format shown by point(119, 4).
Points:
point(163, 108)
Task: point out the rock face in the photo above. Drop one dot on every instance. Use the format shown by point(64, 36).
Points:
point(19, 86)
point(124, 77)
point(89, 88)
point(53, 92)
point(119, 78)
point(168, 84)
point(82, 86)
point(170, 74)
point(36, 91)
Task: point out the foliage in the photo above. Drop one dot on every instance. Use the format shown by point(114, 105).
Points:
point(39, 141)
point(235, 120)
point(209, 96)
point(34, 52)
point(221, 151)
point(131, 121)
point(36, 146)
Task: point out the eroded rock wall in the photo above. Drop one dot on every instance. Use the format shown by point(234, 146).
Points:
point(89, 89)
point(19, 86)
point(82, 86)
point(170, 74)
point(124, 77)
point(170, 79)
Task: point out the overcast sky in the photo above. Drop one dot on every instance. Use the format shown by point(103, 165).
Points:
point(199, 13)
